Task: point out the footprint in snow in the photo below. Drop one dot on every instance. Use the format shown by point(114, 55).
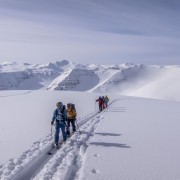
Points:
point(97, 155)
point(95, 171)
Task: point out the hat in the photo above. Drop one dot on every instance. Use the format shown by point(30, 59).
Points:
point(59, 104)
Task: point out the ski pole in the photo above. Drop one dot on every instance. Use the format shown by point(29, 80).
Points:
point(51, 130)
point(78, 127)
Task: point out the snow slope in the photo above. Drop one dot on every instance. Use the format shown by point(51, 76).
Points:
point(164, 86)
point(135, 138)
point(78, 79)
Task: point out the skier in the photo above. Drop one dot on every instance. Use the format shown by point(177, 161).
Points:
point(103, 104)
point(106, 100)
point(100, 101)
point(59, 117)
point(71, 117)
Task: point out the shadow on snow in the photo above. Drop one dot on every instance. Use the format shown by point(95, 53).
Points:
point(108, 134)
point(110, 144)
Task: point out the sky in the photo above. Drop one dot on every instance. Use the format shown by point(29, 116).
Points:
point(90, 31)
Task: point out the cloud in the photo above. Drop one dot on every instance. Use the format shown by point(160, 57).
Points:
point(93, 30)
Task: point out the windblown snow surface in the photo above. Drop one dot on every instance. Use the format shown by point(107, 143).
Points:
point(134, 138)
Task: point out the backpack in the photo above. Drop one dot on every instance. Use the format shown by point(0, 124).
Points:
point(73, 108)
point(62, 112)
point(101, 101)
point(106, 98)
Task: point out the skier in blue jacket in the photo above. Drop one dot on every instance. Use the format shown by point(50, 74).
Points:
point(59, 117)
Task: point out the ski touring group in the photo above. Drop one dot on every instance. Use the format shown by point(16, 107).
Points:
point(64, 116)
point(103, 102)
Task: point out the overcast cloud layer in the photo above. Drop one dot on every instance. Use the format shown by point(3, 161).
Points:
point(90, 31)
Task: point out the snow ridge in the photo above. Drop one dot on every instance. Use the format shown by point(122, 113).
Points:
point(64, 75)
point(150, 81)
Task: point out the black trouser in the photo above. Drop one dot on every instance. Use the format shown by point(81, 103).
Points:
point(100, 107)
point(72, 121)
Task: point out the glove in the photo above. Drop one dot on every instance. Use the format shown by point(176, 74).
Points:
point(52, 123)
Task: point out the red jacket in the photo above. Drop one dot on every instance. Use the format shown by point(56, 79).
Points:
point(100, 100)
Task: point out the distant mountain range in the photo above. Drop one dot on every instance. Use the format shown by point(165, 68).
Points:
point(128, 79)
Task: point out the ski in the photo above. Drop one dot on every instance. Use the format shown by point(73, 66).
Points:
point(52, 151)
point(69, 135)
point(54, 148)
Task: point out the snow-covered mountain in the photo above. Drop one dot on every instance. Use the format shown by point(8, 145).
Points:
point(30, 76)
point(128, 79)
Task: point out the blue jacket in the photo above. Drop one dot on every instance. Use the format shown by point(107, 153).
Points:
point(59, 115)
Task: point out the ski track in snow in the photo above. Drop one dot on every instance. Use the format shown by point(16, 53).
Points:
point(16, 94)
point(64, 164)
point(67, 162)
